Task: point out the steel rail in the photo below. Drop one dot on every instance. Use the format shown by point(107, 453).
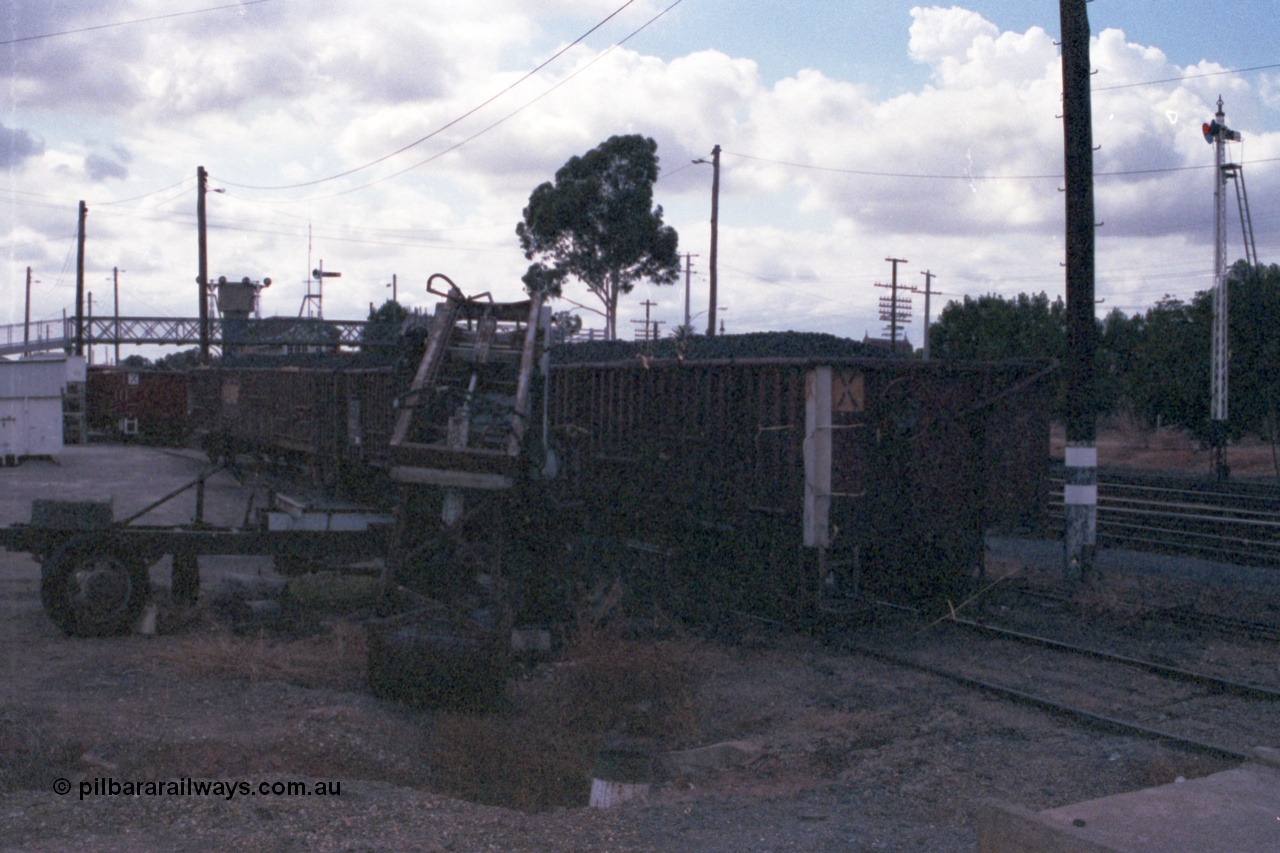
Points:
point(1100, 721)
point(1248, 552)
point(1181, 614)
point(1196, 512)
point(1238, 688)
point(1236, 522)
point(1183, 508)
point(1192, 512)
point(1210, 540)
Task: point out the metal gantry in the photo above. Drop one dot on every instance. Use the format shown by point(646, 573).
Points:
point(180, 331)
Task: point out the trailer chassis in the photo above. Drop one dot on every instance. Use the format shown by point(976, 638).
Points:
point(95, 571)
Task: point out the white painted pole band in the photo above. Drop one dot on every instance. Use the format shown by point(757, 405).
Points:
point(1082, 457)
point(1080, 495)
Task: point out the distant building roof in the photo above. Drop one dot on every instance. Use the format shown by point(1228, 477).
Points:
point(904, 343)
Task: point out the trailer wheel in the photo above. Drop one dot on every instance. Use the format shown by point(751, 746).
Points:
point(93, 586)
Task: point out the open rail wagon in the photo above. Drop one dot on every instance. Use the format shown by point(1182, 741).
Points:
point(499, 480)
point(137, 404)
point(773, 485)
point(782, 485)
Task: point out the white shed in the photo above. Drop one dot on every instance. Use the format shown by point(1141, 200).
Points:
point(31, 416)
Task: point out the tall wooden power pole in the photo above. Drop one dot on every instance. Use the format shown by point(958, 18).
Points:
point(79, 345)
point(893, 311)
point(115, 287)
point(688, 274)
point(715, 236)
point(1081, 487)
point(26, 319)
point(928, 291)
point(202, 262)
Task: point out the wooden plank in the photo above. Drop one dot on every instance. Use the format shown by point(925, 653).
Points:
point(460, 459)
point(441, 331)
point(521, 416)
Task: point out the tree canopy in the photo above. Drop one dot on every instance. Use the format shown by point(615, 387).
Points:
point(384, 322)
point(597, 223)
point(181, 360)
point(1153, 365)
point(989, 328)
point(391, 312)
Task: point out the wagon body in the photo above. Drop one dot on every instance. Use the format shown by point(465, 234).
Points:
point(331, 421)
point(878, 476)
point(773, 481)
point(150, 405)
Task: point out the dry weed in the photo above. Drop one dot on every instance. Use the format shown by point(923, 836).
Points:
point(334, 658)
point(539, 752)
point(511, 760)
point(610, 683)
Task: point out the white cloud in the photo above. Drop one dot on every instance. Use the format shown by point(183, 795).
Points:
point(946, 38)
point(281, 94)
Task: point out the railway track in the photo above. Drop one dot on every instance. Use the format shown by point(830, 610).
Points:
point(1092, 686)
point(1263, 627)
point(1230, 522)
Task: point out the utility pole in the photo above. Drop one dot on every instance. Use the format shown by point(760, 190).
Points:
point(79, 345)
point(648, 304)
point(202, 261)
point(893, 312)
point(1081, 480)
point(715, 236)
point(688, 271)
point(115, 284)
point(928, 291)
point(26, 319)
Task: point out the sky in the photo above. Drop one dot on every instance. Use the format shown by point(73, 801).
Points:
point(403, 137)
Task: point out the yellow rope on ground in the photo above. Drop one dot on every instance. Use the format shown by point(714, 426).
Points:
point(954, 610)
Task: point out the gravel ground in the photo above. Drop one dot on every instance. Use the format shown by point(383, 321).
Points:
point(853, 755)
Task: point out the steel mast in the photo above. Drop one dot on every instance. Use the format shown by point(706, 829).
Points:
point(1218, 134)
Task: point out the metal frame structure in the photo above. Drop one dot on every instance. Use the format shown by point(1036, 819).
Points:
point(1218, 134)
point(94, 569)
point(181, 331)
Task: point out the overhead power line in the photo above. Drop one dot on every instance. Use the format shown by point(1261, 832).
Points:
point(954, 177)
point(485, 129)
point(1184, 77)
point(448, 124)
point(147, 195)
point(238, 5)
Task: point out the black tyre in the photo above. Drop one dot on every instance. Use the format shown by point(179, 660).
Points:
point(93, 586)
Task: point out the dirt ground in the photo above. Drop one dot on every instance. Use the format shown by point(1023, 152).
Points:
point(1128, 446)
point(831, 751)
